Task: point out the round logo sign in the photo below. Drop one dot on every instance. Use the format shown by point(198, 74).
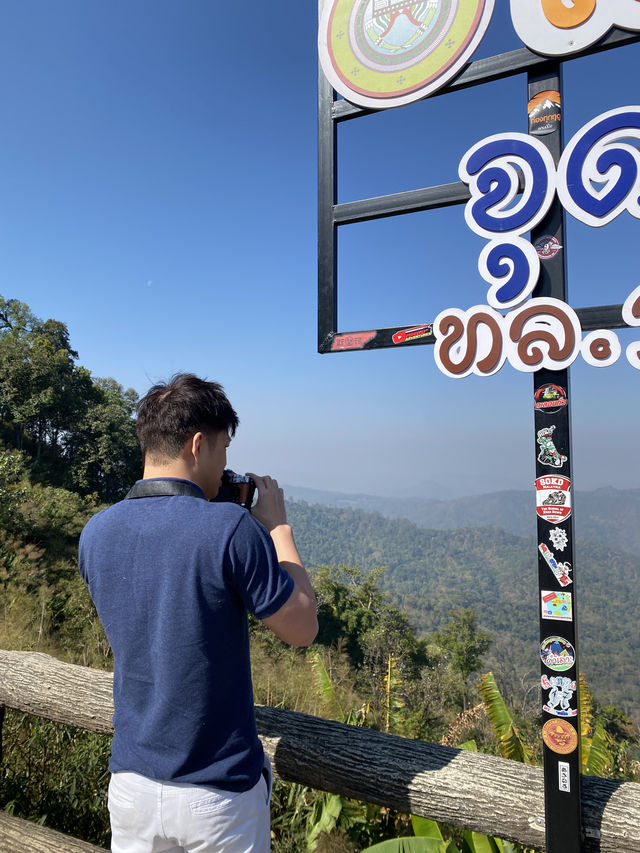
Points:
point(560, 736)
point(557, 653)
point(547, 247)
point(550, 398)
point(385, 53)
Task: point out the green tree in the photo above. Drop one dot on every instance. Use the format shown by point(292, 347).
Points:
point(79, 432)
point(103, 450)
point(465, 644)
point(42, 390)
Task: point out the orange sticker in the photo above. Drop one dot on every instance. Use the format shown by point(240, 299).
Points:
point(560, 736)
point(564, 17)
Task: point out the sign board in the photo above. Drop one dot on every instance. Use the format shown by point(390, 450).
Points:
point(516, 188)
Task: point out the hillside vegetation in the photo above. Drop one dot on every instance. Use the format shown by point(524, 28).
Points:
point(429, 572)
point(404, 649)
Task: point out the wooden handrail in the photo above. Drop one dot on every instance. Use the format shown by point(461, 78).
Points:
point(471, 790)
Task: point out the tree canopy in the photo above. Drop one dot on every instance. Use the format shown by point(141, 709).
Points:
point(77, 432)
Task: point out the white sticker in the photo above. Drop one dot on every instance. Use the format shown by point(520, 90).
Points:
point(564, 776)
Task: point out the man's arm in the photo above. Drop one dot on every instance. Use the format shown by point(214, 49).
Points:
point(296, 622)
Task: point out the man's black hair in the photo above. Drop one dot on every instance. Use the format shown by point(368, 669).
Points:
point(170, 413)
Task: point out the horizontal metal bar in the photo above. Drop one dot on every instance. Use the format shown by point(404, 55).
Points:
point(497, 67)
point(601, 317)
point(395, 204)
point(596, 317)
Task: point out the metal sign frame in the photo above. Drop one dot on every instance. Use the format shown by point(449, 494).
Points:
point(332, 216)
point(551, 392)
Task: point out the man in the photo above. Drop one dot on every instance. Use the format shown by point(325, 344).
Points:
point(173, 577)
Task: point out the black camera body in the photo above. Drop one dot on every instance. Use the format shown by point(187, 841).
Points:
point(236, 488)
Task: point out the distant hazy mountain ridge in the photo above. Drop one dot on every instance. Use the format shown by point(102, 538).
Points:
point(609, 516)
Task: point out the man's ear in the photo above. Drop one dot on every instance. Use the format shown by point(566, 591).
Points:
point(194, 446)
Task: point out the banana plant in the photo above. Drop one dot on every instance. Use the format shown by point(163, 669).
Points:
point(509, 742)
point(428, 839)
point(595, 742)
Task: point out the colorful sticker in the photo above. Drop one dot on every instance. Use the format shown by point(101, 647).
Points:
point(353, 340)
point(561, 690)
point(384, 53)
point(411, 334)
point(558, 538)
point(560, 736)
point(560, 570)
point(553, 498)
point(564, 776)
point(557, 654)
point(550, 398)
point(548, 454)
point(547, 247)
point(545, 113)
point(556, 605)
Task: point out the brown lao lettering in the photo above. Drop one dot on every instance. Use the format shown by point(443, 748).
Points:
point(535, 355)
point(453, 329)
point(600, 349)
point(564, 17)
point(635, 312)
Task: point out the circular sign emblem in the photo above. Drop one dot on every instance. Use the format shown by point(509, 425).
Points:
point(557, 653)
point(560, 736)
point(550, 398)
point(385, 53)
point(547, 247)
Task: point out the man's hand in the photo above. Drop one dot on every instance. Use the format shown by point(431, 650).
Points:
point(296, 621)
point(269, 509)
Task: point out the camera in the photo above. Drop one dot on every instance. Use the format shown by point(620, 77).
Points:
point(236, 488)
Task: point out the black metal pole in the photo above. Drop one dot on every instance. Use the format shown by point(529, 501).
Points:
point(555, 520)
point(327, 198)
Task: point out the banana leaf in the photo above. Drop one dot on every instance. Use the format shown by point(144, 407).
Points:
point(509, 741)
point(475, 842)
point(425, 828)
point(331, 808)
point(412, 845)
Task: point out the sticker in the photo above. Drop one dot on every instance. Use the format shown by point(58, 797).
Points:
point(411, 334)
point(558, 538)
point(557, 653)
point(561, 690)
point(547, 247)
point(550, 398)
point(556, 605)
point(553, 498)
point(354, 340)
point(560, 570)
point(384, 53)
point(545, 113)
point(548, 454)
point(564, 776)
point(560, 736)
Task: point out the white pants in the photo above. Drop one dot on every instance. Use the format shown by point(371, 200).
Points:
point(173, 817)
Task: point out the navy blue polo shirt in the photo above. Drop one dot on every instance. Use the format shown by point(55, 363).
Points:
point(172, 579)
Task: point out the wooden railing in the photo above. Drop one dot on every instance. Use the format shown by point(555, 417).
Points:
point(472, 790)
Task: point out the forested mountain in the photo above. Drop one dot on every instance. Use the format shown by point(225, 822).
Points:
point(430, 572)
point(609, 516)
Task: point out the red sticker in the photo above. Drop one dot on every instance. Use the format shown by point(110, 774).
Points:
point(353, 340)
point(553, 498)
point(410, 334)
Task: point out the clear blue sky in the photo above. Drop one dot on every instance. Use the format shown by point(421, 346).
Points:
point(158, 195)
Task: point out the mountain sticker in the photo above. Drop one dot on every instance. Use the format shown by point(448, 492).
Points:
point(545, 112)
